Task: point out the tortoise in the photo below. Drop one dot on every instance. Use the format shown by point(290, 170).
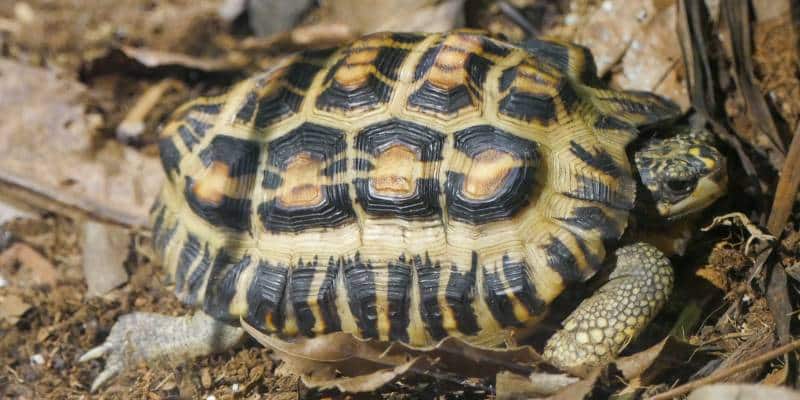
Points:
point(413, 187)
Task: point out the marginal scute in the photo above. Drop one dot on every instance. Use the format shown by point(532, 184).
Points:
point(265, 297)
point(308, 301)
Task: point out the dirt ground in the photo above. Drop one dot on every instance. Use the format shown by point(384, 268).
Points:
point(103, 57)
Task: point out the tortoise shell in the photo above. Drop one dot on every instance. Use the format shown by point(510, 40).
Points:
point(403, 187)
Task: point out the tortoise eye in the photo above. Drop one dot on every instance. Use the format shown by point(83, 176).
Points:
point(681, 186)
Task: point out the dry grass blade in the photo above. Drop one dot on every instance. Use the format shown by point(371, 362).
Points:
point(692, 22)
point(786, 192)
point(736, 15)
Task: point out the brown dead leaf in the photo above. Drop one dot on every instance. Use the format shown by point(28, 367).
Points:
point(646, 365)
point(34, 269)
point(350, 364)
point(147, 60)
point(611, 28)
point(12, 307)
point(47, 157)
point(464, 359)
point(651, 60)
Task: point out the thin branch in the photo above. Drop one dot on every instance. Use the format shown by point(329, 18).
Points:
point(724, 373)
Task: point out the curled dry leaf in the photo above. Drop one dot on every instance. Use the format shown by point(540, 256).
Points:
point(146, 60)
point(340, 360)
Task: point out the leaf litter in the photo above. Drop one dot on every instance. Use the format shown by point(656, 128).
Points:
point(138, 62)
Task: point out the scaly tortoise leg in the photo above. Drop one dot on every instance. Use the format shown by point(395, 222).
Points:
point(603, 324)
point(138, 337)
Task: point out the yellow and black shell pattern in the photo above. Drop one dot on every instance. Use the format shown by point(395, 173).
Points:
point(403, 187)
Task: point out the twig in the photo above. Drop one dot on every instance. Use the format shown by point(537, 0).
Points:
point(724, 373)
point(514, 15)
point(786, 192)
point(134, 123)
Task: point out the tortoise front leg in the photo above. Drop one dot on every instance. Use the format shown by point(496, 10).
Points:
point(603, 324)
point(142, 336)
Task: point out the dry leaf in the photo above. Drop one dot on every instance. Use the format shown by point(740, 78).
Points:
point(610, 29)
point(146, 60)
point(46, 151)
point(350, 364)
point(652, 59)
point(646, 365)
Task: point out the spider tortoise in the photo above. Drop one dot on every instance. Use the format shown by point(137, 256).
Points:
point(411, 187)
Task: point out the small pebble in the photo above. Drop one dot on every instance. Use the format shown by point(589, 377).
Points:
point(211, 397)
point(235, 388)
point(37, 359)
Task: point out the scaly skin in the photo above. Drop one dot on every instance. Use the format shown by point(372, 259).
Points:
point(603, 324)
point(142, 336)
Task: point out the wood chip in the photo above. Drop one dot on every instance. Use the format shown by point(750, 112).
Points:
point(12, 307)
point(105, 249)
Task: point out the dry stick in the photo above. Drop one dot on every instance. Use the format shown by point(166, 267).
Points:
point(134, 123)
point(724, 373)
point(786, 193)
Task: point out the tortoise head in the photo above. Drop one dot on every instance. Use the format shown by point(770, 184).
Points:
point(684, 173)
